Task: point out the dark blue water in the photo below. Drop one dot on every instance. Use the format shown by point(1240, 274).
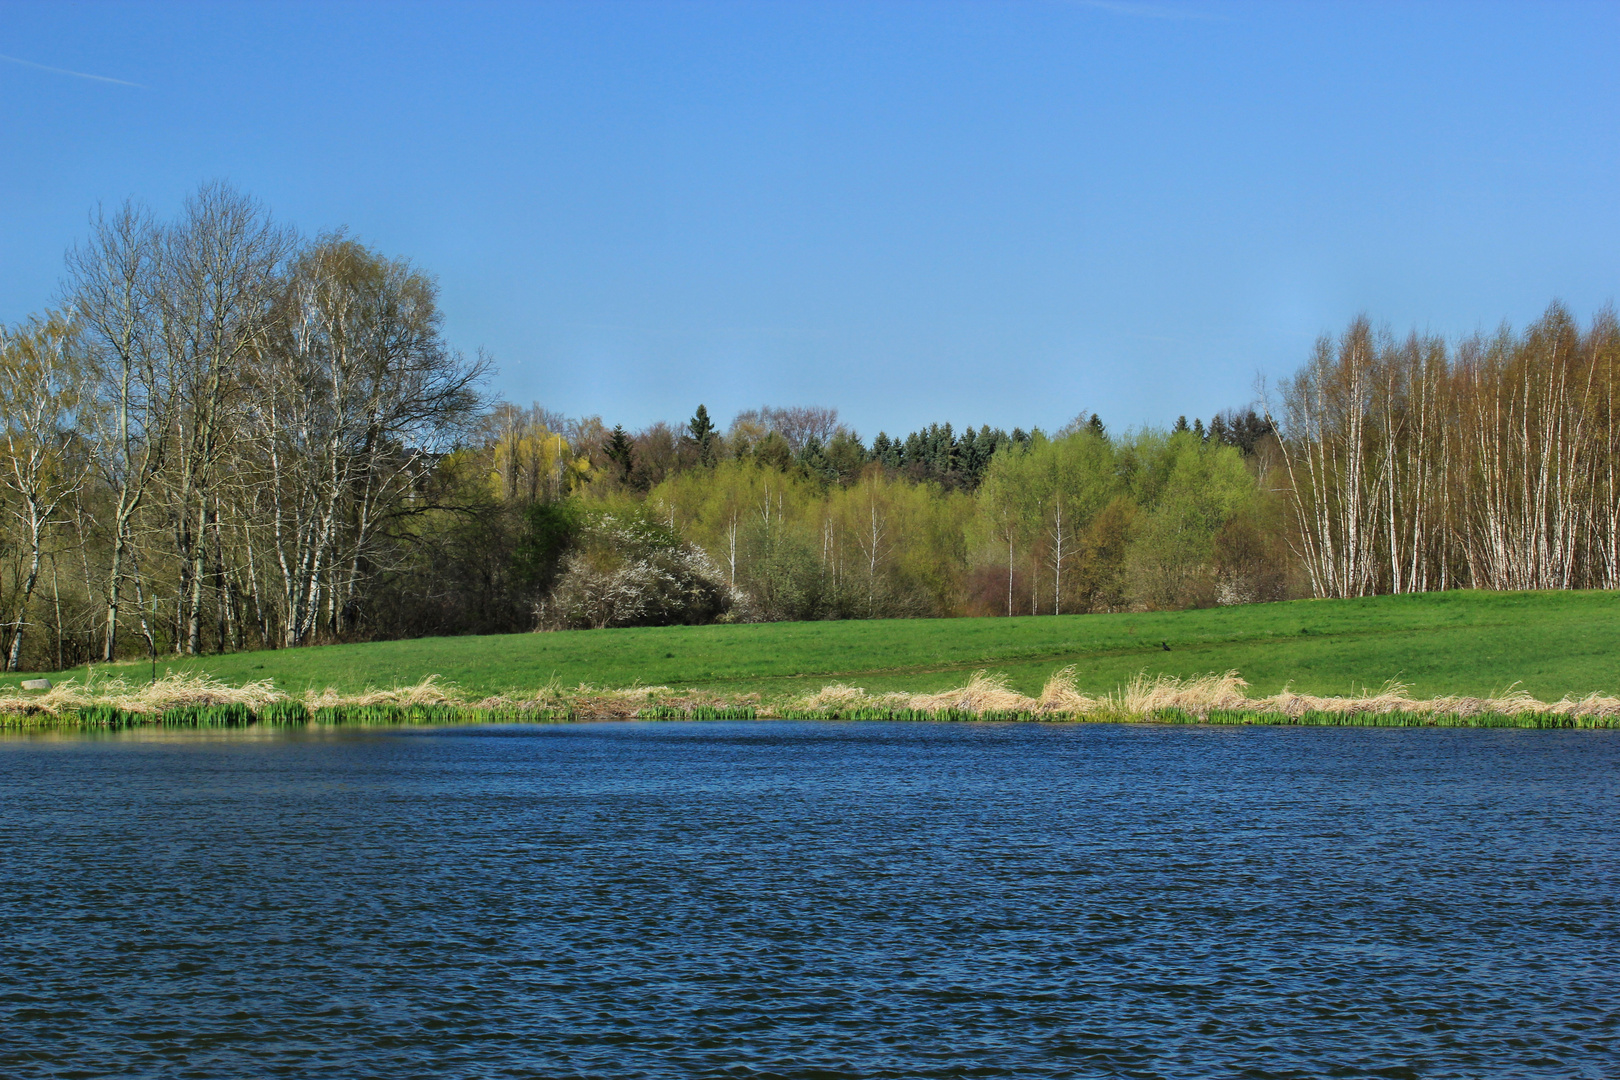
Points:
point(812, 900)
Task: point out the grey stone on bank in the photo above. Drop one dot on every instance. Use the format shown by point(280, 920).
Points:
point(36, 684)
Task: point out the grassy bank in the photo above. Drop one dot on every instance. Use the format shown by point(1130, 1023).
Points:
point(1306, 658)
point(1471, 643)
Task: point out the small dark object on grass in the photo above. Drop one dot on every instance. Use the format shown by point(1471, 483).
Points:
point(1166, 645)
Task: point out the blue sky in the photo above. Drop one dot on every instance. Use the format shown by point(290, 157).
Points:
point(974, 212)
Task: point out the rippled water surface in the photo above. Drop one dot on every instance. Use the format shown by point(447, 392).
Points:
point(812, 900)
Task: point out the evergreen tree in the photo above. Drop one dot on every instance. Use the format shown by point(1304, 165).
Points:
point(1095, 426)
point(884, 451)
point(914, 451)
point(845, 455)
point(977, 454)
point(1242, 430)
point(701, 431)
point(620, 451)
point(814, 459)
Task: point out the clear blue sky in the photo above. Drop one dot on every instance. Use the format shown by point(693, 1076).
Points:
point(975, 212)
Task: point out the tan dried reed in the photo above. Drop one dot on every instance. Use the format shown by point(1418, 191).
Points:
point(174, 690)
point(983, 693)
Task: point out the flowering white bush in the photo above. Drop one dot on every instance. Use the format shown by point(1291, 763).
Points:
point(630, 572)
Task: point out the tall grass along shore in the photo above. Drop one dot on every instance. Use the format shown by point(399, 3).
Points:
point(188, 700)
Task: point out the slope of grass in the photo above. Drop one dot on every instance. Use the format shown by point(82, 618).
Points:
point(1470, 643)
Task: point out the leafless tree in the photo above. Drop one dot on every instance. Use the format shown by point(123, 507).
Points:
point(111, 283)
point(220, 271)
point(355, 396)
point(798, 424)
point(1332, 463)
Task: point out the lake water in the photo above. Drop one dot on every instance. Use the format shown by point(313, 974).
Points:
point(812, 900)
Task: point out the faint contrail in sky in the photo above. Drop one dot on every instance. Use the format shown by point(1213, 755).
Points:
point(65, 71)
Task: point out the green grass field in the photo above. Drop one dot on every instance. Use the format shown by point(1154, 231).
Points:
point(1442, 643)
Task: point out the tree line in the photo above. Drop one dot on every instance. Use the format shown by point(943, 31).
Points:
point(1416, 464)
point(227, 435)
point(215, 438)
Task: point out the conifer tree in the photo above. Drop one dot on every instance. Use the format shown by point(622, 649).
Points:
point(702, 432)
point(883, 451)
point(620, 451)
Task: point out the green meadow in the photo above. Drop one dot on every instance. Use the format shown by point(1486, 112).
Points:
point(1473, 643)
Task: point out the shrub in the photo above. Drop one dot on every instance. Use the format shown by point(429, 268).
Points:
point(630, 570)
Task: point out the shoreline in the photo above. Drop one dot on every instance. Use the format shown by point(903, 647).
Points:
point(190, 701)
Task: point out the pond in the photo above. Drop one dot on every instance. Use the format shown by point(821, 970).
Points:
point(777, 899)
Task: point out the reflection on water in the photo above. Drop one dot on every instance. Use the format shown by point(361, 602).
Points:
point(811, 900)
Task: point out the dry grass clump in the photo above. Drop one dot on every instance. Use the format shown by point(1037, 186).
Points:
point(174, 690)
point(702, 699)
point(1060, 695)
point(1391, 698)
point(430, 691)
point(1590, 705)
point(982, 693)
point(836, 697)
point(553, 697)
point(592, 703)
point(1197, 694)
point(839, 699)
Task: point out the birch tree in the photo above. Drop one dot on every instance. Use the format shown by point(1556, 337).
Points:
point(111, 283)
point(40, 394)
point(1332, 466)
point(355, 397)
point(219, 275)
point(1003, 498)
